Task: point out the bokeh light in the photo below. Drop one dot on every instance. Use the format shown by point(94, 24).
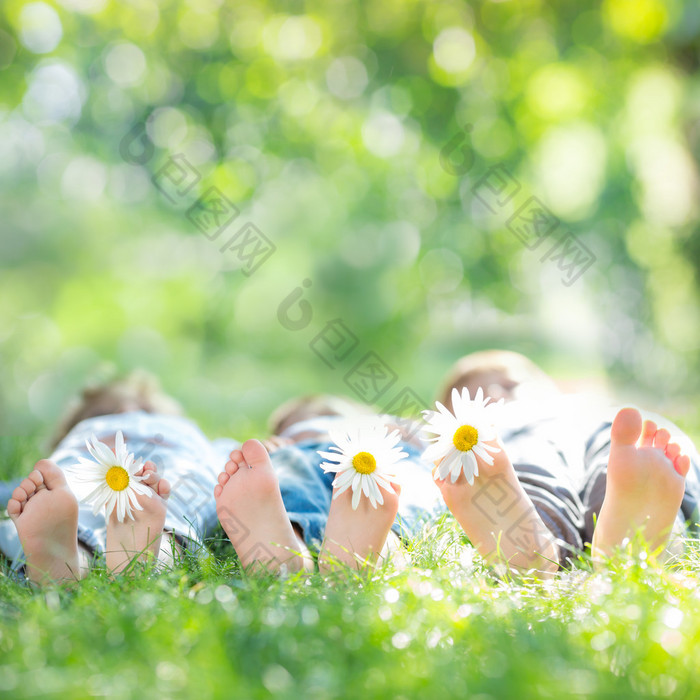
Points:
point(327, 127)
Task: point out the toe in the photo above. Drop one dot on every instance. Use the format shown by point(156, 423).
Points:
point(14, 508)
point(163, 488)
point(627, 426)
point(682, 464)
point(150, 474)
point(236, 456)
point(53, 476)
point(672, 451)
point(37, 478)
point(28, 486)
point(661, 438)
point(19, 494)
point(223, 478)
point(255, 453)
point(217, 491)
point(146, 468)
point(231, 468)
point(648, 434)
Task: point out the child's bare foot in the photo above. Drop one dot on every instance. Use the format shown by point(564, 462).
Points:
point(250, 509)
point(499, 518)
point(357, 537)
point(138, 538)
point(45, 513)
point(645, 484)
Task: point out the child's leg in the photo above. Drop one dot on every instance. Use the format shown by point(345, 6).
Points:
point(500, 519)
point(645, 484)
point(139, 538)
point(250, 509)
point(342, 534)
point(45, 513)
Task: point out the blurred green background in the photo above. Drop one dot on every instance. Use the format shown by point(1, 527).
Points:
point(323, 122)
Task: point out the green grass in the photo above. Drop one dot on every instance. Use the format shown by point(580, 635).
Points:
point(444, 627)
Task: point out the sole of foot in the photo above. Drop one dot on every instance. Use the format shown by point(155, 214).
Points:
point(139, 539)
point(357, 538)
point(45, 513)
point(645, 485)
point(250, 509)
point(499, 518)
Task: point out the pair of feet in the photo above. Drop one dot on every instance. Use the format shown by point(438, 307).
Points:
point(645, 487)
point(45, 513)
point(250, 509)
point(249, 505)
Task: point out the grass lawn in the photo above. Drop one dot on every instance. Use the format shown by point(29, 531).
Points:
point(444, 627)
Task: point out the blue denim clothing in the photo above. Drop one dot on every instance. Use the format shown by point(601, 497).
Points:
point(189, 460)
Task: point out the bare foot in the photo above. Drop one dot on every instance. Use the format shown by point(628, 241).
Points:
point(138, 538)
point(645, 485)
point(499, 518)
point(250, 509)
point(45, 513)
point(357, 537)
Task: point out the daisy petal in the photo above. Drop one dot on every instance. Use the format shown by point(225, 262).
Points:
point(105, 455)
point(378, 497)
point(341, 489)
point(364, 481)
point(356, 481)
point(449, 464)
point(134, 501)
point(483, 454)
point(120, 448)
point(111, 503)
point(121, 507)
point(356, 498)
point(470, 466)
point(382, 481)
point(141, 489)
point(344, 479)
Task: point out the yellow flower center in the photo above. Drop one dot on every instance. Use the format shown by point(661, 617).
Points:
point(117, 478)
point(465, 438)
point(364, 463)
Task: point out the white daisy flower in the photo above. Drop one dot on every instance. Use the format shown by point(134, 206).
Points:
point(364, 457)
point(112, 477)
point(461, 436)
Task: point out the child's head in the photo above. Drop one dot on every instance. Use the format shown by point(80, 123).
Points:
point(312, 406)
point(138, 391)
point(501, 374)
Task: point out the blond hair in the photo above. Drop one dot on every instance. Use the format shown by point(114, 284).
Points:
point(312, 406)
point(137, 391)
point(506, 369)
